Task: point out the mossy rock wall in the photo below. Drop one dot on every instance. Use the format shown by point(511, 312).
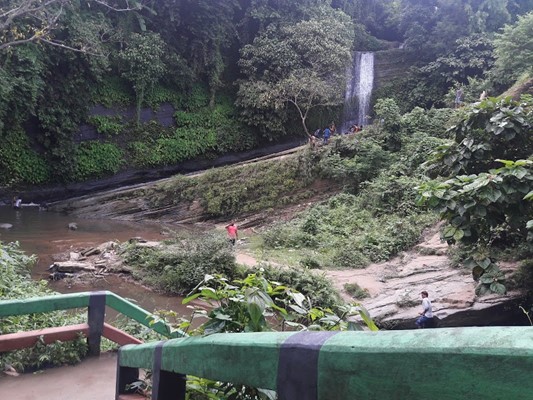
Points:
point(390, 65)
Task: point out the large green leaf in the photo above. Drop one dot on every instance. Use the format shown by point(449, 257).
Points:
point(497, 287)
point(459, 234)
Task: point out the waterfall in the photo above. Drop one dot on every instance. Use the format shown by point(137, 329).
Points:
point(359, 84)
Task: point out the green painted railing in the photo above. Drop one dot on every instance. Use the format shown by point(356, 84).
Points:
point(492, 363)
point(95, 302)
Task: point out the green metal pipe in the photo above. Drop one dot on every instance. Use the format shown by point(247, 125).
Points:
point(44, 304)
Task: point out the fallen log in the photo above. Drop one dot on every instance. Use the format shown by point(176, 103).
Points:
point(72, 266)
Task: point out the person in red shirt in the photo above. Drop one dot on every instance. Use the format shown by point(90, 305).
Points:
point(232, 233)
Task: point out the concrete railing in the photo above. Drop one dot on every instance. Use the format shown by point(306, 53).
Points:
point(94, 329)
point(493, 363)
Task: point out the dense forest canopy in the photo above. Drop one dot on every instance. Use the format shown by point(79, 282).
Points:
point(237, 72)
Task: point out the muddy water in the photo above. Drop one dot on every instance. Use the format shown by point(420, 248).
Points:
point(46, 234)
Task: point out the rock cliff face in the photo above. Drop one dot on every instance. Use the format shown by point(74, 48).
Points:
point(390, 65)
point(394, 288)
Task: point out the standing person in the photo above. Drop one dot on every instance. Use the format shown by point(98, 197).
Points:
point(426, 316)
point(312, 141)
point(233, 234)
point(17, 204)
point(459, 97)
point(327, 134)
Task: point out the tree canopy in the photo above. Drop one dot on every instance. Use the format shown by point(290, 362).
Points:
point(301, 65)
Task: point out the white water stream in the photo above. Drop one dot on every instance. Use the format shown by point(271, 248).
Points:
point(359, 85)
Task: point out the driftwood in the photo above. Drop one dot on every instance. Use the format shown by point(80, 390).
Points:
point(72, 266)
point(148, 244)
point(90, 252)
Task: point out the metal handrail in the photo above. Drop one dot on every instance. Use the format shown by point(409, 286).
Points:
point(487, 363)
point(96, 303)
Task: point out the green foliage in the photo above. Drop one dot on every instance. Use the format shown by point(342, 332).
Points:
point(107, 125)
point(113, 91)
point(163, 94)
point(301, 65)
point(19, 162)
point(471, 57)
point(434, 122)
point(243, 305)
point(22, 82)
point(143, 63)
point(247, 189)
point(204, 132)
point(197, 98)
point(179, 265)
point(314, 285)
point(388, 114)
point(351, 231)
point(257, 303)
point(95, 159)
point(16, 283)
point(493, 129)
point(352, 162)
point(489, 208)
point(512, 48)
point(487, 274)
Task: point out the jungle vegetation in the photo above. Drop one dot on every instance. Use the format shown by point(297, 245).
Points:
point(238, 74)
point(242, 73)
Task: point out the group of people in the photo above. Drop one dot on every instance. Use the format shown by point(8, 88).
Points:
point(328, 132)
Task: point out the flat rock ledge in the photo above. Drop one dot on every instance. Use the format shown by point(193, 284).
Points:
point(394, 291)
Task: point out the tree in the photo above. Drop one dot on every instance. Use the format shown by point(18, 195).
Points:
point(143, 62)
point(26, 21)
point(514, 48)
point(301, 64)
point(204, 32)
point(494, 129)
point(472, 57)
point(490, 207)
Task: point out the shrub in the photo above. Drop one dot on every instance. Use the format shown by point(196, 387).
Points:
point(314, 285)
point(19, 163)
point(107, 125)
point(181, 264)
point(356, 291)
point(95, 159)
point(16, 283)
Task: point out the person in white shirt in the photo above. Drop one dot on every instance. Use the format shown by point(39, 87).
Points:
point(426, 316)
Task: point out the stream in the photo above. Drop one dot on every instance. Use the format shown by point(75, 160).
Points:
point(46, 234)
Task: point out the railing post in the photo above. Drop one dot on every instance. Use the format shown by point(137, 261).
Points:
point(125, 376)
point(96, 315)
point(166, 385)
